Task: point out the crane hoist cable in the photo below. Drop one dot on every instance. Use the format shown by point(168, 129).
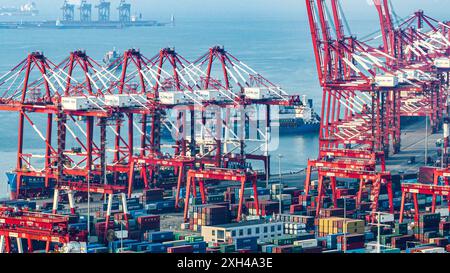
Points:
point(396, 17)
point(347, 25)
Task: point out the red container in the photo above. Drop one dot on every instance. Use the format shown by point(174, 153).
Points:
point(297, 193)
point(426, 174)
point(121, 216)
point(341, 192)
point(333, 212)
point(352, 246)
point(295, 208)
point(282, 249)
point(317, 249)
point(180, 249)
point(153, 195)
point(441, 242)
point(400, 241)
point(212, 250)
point(148, 222)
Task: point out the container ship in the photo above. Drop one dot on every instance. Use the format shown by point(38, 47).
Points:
point(299, 119)
point(292, 120)
point(110, 59)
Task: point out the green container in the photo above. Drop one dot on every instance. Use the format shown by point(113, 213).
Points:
point(178, 236)
point(386, 239)
point(401, 229)
point(194, 239)
point(391, 250)
point(227, 248)
point(297, 249)
point(119, 250)
point(284, 240)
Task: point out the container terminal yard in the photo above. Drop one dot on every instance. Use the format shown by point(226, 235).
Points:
point(106, 180)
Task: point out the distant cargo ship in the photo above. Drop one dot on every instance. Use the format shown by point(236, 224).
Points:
point(33, 186)
point(299, 119)
point(293, 120)
point(110, 59)
point(24, 10)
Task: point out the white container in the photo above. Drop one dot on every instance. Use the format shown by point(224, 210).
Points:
point(443, 62)
point(121, 234)
point(172, 97)
point(386, 81)
point(443, 211)
point(433, 250)
point(209, 95)
point(257, 93)
point(76, 103)
point(386, 218)
point(125, 100)
point(306, 243)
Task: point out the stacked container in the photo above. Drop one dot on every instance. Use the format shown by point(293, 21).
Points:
point(208, 215)
point(340, 225)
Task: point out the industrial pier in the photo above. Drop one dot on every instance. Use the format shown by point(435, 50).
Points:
point(107, 181)
point(85, 19)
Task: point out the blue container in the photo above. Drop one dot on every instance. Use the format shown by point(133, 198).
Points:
point(103, 249)
point(359, 250)
point(133, 207)
point(267, 248)
point(161, 236)
point(263, 191)
point(138, 246)
point(78, 226)
point(165, 204)
point(118, 244)
point(183, 193)
point(247, 243)
point(156, 248)
point(95, 245)
point(167, 244)
point(141, 247)
point(84, 218)
point(332, 240)
point(136, 213)
point(114, 206)
point(199, 247)
point(131, 201)
point(369, 236)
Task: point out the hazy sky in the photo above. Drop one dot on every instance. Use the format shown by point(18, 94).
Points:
point(245, 9)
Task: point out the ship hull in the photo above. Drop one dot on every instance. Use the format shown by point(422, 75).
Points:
point(307, 128)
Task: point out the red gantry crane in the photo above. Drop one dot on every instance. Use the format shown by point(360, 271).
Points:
point(31, 226)
point(355, 129)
